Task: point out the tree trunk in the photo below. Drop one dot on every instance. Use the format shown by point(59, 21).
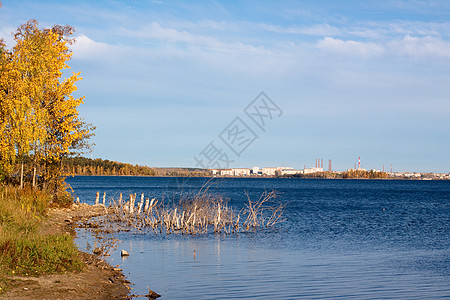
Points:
point(21, 176)
point(44, 172)
point(34, 177)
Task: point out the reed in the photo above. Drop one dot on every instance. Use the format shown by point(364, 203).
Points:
point(201, 212)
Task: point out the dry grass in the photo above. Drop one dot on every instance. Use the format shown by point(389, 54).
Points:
point(23, 248)
point(194, 213)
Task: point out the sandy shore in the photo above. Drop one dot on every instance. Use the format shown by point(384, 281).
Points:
point(98, 280)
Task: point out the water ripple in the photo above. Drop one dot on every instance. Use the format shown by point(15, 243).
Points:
point(342, 240)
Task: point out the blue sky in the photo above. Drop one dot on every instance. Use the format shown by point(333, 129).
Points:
point(163, 79)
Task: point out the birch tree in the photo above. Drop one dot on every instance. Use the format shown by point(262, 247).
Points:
point(39, 113)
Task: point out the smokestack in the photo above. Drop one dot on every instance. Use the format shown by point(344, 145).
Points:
point(321, 163)
point(359, 163)
point(316, 163)
point(329, 165)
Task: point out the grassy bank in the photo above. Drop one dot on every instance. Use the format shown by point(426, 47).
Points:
point(24, 248)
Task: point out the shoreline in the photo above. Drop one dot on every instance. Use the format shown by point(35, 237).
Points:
point(267, 177)
point(98, 280)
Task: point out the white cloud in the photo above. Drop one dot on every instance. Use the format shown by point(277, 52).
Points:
point(421, 47)
point(170, 35)
point(317, 29)
point(408, 46)
point(85, 48)
point(377, 30)
point(350, 47)
point(217, 25)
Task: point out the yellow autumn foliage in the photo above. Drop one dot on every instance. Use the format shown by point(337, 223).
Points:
point(38, 113)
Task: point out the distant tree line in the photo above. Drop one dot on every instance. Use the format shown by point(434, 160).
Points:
point(372, 174)
point(98, 166)
point(324, 174)
point(89, 166)
point(183, 172)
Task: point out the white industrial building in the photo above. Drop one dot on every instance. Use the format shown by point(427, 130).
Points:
point(270, 171)
point(241, 172)
point(231, 172)
point(290, 171)
point(312, 170)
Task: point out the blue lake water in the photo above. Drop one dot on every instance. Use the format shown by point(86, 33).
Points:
point(342, 239)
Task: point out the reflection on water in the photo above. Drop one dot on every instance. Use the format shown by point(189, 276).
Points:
point(342, 239)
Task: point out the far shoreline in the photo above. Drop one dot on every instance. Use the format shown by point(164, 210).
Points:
point(268, 177)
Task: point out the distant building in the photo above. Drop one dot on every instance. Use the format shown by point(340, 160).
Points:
point(412, 175)
point(290, 171)
point(270, 171)
point(231, 172)
point(241, 172)
point(256, 171)
point(312, 170)
point(226, 172)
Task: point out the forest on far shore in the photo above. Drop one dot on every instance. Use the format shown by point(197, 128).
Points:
point(88, 166)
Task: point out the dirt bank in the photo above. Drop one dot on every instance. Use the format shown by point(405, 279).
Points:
point(98, 280)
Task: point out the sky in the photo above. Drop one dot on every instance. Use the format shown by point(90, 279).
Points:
point(259, 83)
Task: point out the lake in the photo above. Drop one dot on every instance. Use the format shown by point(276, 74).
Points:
point(342, 239)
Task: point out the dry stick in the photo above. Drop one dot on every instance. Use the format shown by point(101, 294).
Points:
point(131, 208)
point(140, 204)
point(126, 207)
point(151, 206)
point(182, 219)
point(276, 216)
point(146, 205)
point(140, 207)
